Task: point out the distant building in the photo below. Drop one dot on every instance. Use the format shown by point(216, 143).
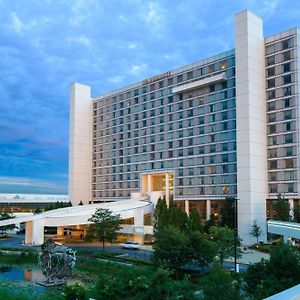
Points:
point(29, 202)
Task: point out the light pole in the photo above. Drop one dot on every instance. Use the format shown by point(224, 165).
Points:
point(236, 267)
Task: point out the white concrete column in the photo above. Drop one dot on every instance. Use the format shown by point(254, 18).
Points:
point(252, 185)
point(80, 144)
point(38, 232)
point(167, 189)
point(208, 209)
point(291, 203)
point(60, 231)
point(187, 207)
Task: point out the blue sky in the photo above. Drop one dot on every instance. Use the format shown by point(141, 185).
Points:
point(46, 45)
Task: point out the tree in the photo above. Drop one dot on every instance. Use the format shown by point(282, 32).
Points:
point(297, 213)
point(6, 216)
point(201, 250)
point(256, 231)
point(160, 213)
point(105, 225)
point(281, 209)
point(170, 248)
point(281, 272)
point(224, 241)
point(227, 213)
point(219, 285)
point(37, 211)
point(194, 221)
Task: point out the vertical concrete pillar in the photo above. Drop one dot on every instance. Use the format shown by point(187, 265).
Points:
point(60, 231)
point(167, 189)
point(149, 184)
point(252, 185)
point(291, 203)
point(28, 233)
point(187, 207)
point(139, 220)
point(80, 144)
point(38, 232)
point(208, 209)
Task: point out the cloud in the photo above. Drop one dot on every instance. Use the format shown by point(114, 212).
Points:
point(116, 79)
point(82, 40)
point(17, 24)
point(138, 69)
point(132, 46)
point(30, 185)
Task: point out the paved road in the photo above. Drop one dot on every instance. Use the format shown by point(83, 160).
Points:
point(142, 254)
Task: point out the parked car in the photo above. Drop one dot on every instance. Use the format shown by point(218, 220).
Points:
point(130, 245)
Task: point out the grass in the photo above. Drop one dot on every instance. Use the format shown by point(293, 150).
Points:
point(24, 258)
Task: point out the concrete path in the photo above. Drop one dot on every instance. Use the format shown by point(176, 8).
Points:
point(251, 257)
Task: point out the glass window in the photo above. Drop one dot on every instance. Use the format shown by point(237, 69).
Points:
point(289, 151)
point(286, 55)
point(286, 44)
point(271, 83)
point(286, 67)
point(287, 79)
point(271, 72)
point(289, 163)
point(270, 49)
point(273, 164)
point(287, 115)
point(288, 138)
point(271, 60)
point(271, 106)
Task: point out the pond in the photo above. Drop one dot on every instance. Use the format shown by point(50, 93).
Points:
point(15, 273)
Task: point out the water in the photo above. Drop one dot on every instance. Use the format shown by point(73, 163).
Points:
point(19, 274)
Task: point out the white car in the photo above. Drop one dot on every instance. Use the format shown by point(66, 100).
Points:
point(130, 245)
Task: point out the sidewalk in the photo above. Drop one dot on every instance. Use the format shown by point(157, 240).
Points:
point(251, 257)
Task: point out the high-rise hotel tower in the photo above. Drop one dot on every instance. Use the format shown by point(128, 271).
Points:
point(225, 126)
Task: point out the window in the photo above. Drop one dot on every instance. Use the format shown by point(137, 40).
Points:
point(288, 126)
point(271, 72)
point(270, 49)
point(286, 67)
point(273, 164)
point(223, 64)
point(273, 188)
point(287, 102)
point(287, 79)
point(170, 81)
point(271, 60)
point(289, 163)
point(286, 44)
point(272, 140)
point(190, 75)
point(286, 55)
point(287, 91)
point(289, 175)
point(271, 106)
point(271, 83)
point(272, 117)
point(272, 153)
point(289, 188)
point(289, 151)
point(287, 115)
point(179, 78)
point(272, 129)
point(213, 169)
point(212, 88)
point(271, 94)
point(288, 138)
point(211, 68)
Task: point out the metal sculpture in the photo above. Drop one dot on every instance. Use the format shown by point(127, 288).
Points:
point(57, 262)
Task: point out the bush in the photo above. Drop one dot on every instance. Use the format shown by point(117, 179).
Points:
point(75, 292)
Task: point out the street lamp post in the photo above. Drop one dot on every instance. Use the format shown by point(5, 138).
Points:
point(236, 267)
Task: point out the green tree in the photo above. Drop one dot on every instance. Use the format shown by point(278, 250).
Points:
point(281, 209)
point(194, 221)
point(177, 217)
point(224, 241)
point(105, 225)
point(281, 272)
point(256, 231)
point(210, 223)
point(6, 216)
point(160, 213)
point(170, 248)
point(201, 250)
point(219, 285)
point(297, 213)
point(227, 213)
point(37, 211)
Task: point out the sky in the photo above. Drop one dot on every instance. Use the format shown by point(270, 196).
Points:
point(45, 45)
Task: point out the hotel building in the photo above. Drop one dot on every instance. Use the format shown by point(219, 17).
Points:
point(225, 126)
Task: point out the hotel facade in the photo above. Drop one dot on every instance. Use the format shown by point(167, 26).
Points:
point(225, 126)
